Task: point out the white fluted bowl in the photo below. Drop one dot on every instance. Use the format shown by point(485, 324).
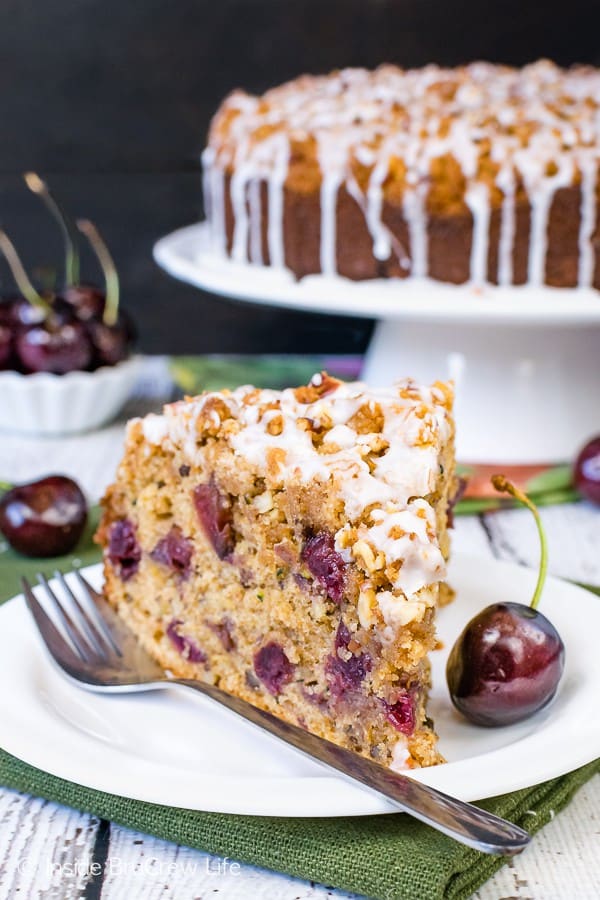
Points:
point(47, 404)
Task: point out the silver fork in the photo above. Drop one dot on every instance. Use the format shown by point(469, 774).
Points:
point(96, 650)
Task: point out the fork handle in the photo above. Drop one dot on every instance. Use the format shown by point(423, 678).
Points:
point(459, 820)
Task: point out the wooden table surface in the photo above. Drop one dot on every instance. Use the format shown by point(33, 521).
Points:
point(48, 851)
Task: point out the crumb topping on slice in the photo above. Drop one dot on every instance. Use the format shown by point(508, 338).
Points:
point(378, 448)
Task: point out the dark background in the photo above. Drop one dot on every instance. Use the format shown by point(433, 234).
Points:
point(111, 102)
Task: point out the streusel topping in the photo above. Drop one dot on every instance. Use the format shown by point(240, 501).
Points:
point(379, 447)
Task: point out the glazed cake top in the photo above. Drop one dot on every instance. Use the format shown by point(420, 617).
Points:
point(378, 449)
point(482, 114)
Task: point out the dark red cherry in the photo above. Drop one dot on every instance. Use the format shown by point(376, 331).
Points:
point(86, 301)
point(54, 346)
point(325, 564)
point(586, 474)
point(112, 332)
point(43, 518)
point(214, 513)
point(505, 665)
point(24, 315)
point(346, 670)
point(124, 551)
point(401, 714)
point(185, 645)
point(111, 343)
point(273, 667)
point(508, 661)
point(6, 310)
point(6, 347)
point(174, 551)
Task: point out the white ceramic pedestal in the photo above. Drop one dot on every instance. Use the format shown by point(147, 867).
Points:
point(526, 362)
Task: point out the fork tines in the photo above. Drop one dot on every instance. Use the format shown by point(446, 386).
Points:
point(73, 619)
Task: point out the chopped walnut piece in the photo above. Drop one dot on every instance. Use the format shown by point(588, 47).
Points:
point(372, 562)
point(275, 425)
point(366, 606)
point(276, 457)
point(444, 393)
point(320, 385)
point(368, 419)
point(252, 397)
point(214, 411)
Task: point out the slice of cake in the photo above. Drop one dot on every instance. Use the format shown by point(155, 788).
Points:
point(290, 547)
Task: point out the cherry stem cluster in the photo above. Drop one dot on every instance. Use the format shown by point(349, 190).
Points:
point(111, 278)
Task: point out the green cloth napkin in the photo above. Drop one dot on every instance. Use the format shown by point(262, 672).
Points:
point(388, 857)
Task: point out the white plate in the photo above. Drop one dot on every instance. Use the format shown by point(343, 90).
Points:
point(179, 750)
point(186, 255)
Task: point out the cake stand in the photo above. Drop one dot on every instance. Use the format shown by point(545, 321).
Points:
point(526, 361)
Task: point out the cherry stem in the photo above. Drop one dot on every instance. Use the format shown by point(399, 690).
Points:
point(20, 275)
point(39, 187)
point(504, 486)
point(111, 278)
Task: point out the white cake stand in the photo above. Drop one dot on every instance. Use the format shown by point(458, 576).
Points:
point(526, 361)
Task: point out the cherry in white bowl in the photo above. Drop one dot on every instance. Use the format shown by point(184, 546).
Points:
point(52, 405)
point(65, 356)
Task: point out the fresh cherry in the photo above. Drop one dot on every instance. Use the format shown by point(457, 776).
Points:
point(24, 314)
point(51, 339)
point(112, 332)
point(86, 301)
point(111, 343)
point(7, 329)
point(586, 474)
point(6, 347)
point(508, 661)
point(45, 517)
point(54, 346)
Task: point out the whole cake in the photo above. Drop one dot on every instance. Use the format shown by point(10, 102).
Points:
point(477, 174)
point(291, 547)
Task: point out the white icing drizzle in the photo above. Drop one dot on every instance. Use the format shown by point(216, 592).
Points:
point(383, 495)
point(382, 243)
point(414, 208)
point(541, 192)
point(254, 199)
point(330, 185)
point(539, 126)
point(477, 198)
point(589, 176)
point(214, 194)
point(238, 185)
point(276, 182)
point(506, 183)
point(331, 160)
